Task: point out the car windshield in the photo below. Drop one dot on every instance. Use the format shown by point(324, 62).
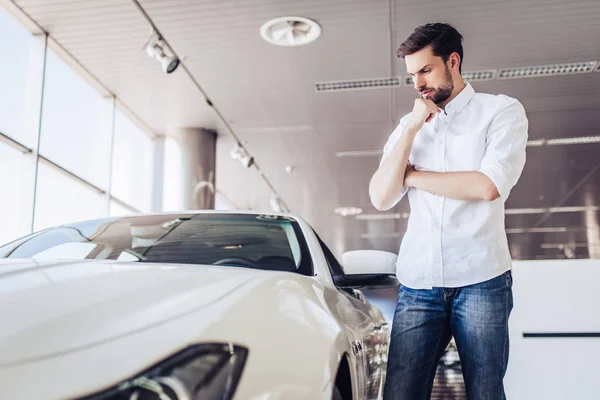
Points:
point(243, 240)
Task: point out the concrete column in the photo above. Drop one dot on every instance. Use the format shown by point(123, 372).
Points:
point(189, 175)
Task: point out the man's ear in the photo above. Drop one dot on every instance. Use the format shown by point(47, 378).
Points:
point(454, 61)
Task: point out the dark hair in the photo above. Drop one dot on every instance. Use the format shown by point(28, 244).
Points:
point(443, 39)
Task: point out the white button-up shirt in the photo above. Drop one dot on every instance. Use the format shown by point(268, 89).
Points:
point(454, 243)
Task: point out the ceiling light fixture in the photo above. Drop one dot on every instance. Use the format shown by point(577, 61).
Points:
point(520, 211)
point(573, 140)
point(561, 246)
point(567, 141)
point(391, 235)
point(537, 230)
point(240, 154)
point(382, 216)
point(276, 205)
point(552, 210)
point(290, 31)
point(359, 153)
point(156, 49)
point(531, 143)
point(348, 211)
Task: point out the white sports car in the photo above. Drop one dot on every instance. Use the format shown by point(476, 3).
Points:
point(202, 305)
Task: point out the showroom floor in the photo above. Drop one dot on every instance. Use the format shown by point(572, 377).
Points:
point(448, 383)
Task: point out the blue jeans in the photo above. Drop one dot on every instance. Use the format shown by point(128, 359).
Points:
point(424, 322)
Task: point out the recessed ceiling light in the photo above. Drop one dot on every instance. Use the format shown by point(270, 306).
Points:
point(561, 246)
point(573, 140)
point(537, 230)
point(566, 141)
point(536, 143)
point(391, 235)
point(382, 216)
point(552, 210)
point(348, 211)
point(359, 153)
point(290, 31)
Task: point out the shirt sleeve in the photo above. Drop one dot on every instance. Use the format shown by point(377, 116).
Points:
point(506, 140)
point(387, 149)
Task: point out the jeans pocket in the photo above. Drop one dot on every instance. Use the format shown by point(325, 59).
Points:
point(508, 278)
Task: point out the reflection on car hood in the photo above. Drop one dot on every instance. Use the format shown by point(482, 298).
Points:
point(54, 307)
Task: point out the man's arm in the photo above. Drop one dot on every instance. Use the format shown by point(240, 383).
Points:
point(453, 185)
point(501, 166)
point(387, 184)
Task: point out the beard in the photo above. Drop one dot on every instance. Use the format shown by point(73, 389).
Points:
point(443, 92)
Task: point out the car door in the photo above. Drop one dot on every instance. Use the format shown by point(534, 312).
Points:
point(369, 331)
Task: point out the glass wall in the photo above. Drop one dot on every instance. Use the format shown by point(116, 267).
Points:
point(74, 113)
point(132, 164)
point(11, 172)
point(18, 47)
point(61, 198)
point(93, 160)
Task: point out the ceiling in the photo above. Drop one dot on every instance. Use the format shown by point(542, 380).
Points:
point(266, 93)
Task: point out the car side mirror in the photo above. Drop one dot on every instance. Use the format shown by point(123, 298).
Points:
point(369, 262)
point(371, 269)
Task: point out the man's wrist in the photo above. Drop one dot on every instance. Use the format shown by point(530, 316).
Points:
point(411, 130)
point(409, 180)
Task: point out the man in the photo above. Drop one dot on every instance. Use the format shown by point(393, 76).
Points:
point(457, 155)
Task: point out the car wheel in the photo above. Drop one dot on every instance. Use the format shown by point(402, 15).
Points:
point(336, 394)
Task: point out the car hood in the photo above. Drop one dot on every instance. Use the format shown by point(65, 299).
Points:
point(97, 301)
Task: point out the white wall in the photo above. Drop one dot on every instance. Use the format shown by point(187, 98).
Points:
point(555, 296)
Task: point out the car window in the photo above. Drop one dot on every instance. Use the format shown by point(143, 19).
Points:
point(242, 240)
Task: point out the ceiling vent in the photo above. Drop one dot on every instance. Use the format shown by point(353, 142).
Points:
point(360, 84)
point(478, 76)
point(469, 76)
point(290, 31)
point(472, 76)
point(547, 70)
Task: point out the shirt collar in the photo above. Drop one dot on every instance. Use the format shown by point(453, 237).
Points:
point(461, 100)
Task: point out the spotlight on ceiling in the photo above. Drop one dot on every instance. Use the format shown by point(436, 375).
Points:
point(156, 49)
point(240, 154)
point(276, 204)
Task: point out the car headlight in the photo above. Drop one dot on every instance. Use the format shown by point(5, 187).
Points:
point(210, 371)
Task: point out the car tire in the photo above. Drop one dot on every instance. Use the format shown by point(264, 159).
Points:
point(336, 394)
